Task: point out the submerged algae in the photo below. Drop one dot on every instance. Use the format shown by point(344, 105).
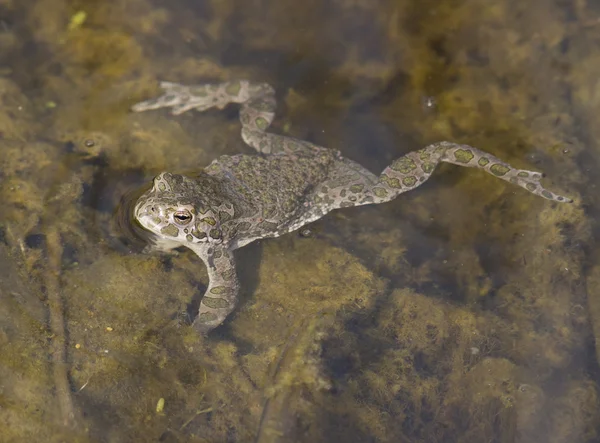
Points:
point(493, 284)
point(296, 377)
point(130, 352)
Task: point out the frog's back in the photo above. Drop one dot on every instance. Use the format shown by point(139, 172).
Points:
point(277, 184)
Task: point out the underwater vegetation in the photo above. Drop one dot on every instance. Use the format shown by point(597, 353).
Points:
point(465, 310)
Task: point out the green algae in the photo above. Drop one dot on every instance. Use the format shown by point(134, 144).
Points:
point(456, 313)
point(296, 375)
point(77, 20)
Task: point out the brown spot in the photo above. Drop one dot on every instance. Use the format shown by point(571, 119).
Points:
point(224, 216)
point(170, 230)
point(207, 317)
point(267, 226)
point(211, 221)
point(404, 165)
point(499, 169)
point(463, 155)
point(215, 303)
point(380, 192)
point(199, 234)
point(409, 181)
point(233, 88)
point(243, 226)
point(394, 183)
point(428, 167)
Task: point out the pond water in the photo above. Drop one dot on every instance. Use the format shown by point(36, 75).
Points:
point(465, 310)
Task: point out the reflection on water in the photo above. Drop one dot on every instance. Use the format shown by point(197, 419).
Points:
point(125, 228)
point(463, 311)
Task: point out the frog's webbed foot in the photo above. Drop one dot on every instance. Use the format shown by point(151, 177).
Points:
point(182, 98)
point(202, 325)
point(530, 180)
point(468, 156)
point(215, 306)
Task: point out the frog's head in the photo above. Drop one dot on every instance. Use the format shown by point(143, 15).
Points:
point(175, 210)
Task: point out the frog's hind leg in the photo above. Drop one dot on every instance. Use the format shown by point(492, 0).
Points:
point(256, 113)
point(351, 185)
point(413, 169)
point(348, 184)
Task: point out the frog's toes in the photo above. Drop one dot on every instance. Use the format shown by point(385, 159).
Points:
point(525, 175)
point(183, 107)
point(536, 176)
point(164, 101)
point(182, 318)
point(169, 85)
point(552, 196)
point(530, 180)
point(145, 105)
point(202, 326)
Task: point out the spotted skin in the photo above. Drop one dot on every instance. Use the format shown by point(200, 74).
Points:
point(241, 198)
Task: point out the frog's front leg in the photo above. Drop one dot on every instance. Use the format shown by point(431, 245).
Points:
point(221, 295)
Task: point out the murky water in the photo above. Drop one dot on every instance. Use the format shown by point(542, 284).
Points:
point(465, 310)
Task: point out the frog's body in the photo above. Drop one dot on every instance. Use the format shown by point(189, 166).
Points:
point(241, 198)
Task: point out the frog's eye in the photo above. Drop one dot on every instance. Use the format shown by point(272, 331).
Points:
point(183, 217)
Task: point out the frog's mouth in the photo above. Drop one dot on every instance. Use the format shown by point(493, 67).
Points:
point(149, 216)
point(129, 233)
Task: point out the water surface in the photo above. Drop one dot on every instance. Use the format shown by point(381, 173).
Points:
point(465, 310)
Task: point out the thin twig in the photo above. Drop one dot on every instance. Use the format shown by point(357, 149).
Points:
point(57, 327)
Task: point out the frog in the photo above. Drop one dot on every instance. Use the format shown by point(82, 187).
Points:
point(285, 184)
